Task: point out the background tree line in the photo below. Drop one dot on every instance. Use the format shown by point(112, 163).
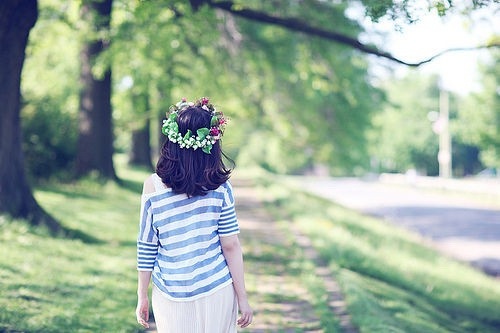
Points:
point(99, 76)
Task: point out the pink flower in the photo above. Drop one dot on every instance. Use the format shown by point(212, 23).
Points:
point(184, 99)
point(204, 101)
point(222, 121)
point(214, 131)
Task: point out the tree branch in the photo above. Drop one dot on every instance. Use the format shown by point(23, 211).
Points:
point(457, 49)
point(301, 26)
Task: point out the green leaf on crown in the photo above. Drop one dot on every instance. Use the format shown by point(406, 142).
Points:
point(188, 134)
point(214, 121)
point(207, 148)
point(202, 132)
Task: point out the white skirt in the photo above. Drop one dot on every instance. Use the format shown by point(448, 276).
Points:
point(215, 313)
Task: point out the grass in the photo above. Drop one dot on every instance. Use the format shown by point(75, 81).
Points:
point(391, 280)
point(69, 285)
point(279, 284)
point(282, 287)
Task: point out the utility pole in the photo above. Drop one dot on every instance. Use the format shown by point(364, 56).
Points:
point(444, 155)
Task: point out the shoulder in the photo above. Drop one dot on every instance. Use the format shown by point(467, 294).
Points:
point(149, 185)
point(226, 186)
point(227, 190)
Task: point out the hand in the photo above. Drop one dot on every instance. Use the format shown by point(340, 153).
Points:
point(142, 311)
point(246, 314)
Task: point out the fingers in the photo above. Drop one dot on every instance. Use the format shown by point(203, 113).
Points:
point(143, 317)
point(246, 315)
point(143, 323)
point(245, 319)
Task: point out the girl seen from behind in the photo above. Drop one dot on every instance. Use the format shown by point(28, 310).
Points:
point(188, 237)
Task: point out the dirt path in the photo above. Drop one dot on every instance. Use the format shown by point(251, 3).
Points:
point(279, 297)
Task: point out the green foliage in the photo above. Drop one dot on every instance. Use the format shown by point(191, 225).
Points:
point(465, 157)
point(49, 139)
point(479, 115)
point(50, 93)
point(309, 101)
point(296, 101)
point(159, 52)
point(410, 11)
point(402, 137)
point(288, 80)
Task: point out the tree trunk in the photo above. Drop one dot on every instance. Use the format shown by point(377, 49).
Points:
point(16, 198)
point(95, 140)
point(140, 153)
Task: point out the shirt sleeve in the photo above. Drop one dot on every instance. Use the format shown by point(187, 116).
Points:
point(147, 240)
point(228, 223)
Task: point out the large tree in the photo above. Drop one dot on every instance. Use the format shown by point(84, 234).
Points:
point(95, 150)
point(95, 141)
point(16, 198)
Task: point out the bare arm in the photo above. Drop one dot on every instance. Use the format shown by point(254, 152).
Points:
point(144, 278)
point(231, 249)
point(142, 310)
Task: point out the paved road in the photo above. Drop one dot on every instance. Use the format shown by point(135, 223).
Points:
point(460, 225)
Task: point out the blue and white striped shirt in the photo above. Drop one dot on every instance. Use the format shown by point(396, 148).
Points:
point(179, 240)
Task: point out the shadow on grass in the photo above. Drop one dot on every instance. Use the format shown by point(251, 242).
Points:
point(68, 191)
point(128, 243)
point(9, 269)
point(268, 258)
point(64, 232)
point(44, 224)
point(130, 185)
point(56, 229)
point(75, 234)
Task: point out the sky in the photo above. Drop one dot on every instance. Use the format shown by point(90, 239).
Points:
point(432, 34)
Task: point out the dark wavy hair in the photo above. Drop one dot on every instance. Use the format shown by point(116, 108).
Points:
point(189, 171)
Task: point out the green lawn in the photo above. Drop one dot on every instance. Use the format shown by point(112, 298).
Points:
point(391, 280)
point(71, 285)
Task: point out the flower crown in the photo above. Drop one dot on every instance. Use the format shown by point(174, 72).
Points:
point(205, 137)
